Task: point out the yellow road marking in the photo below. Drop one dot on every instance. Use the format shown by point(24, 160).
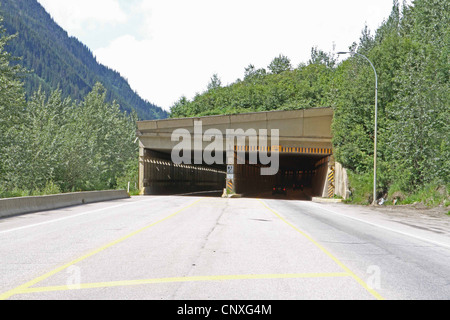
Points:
point(26, 288)
point(27, 285)
point(347, 270)
point(183, 279)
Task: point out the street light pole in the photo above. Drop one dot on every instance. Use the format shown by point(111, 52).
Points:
point(376, 125)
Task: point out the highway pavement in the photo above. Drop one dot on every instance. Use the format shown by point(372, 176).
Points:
point(209, 248)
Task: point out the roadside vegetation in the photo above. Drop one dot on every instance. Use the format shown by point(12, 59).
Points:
point(59, 59)
point(50, 144)
point(410, 51)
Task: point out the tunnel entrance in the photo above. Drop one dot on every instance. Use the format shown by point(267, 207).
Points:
point(163, 177)
point(303, 144)
point(300, 177)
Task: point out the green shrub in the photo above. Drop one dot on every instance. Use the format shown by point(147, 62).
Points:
point(430, 195)
point(361, 187)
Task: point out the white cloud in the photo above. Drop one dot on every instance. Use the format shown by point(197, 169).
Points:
point(74, 16)
point(178, 45)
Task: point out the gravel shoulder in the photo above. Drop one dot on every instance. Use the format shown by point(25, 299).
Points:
point(415, 210)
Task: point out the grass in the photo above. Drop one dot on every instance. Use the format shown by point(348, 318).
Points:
point(18, 193)
point(431, 195)
point(49, 189)
point(361, 187)
point(134, 192)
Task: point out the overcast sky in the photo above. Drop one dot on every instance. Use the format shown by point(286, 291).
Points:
point(170, 48)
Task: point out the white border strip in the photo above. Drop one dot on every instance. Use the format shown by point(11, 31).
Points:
point(446, 245)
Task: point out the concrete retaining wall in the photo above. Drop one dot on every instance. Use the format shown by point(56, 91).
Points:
point(17, 206)
point(319, 182)
point(341, 181)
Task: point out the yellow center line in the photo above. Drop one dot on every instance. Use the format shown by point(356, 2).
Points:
point(125, 283)
point(344, 267)
point(33, 282)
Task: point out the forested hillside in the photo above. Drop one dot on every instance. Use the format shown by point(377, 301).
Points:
point(59, 61)
point(52, 144)
point(410, 51)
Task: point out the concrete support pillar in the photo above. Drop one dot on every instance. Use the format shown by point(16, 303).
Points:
point(328, 178)
point(141, 169)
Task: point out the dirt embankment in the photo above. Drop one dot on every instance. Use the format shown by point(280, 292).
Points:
point(418, 209)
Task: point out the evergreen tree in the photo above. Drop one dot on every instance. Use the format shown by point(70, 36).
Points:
point(215, 82)
point(60, 61)
point(12, 105)
point(410, 51)
point(280, 64)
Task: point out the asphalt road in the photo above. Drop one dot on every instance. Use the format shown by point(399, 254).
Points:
point(188, 248)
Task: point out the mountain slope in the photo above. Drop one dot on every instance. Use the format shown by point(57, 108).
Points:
point(58, 60)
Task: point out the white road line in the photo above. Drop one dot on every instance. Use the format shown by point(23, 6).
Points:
point(446, 245)
point(74, 216)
